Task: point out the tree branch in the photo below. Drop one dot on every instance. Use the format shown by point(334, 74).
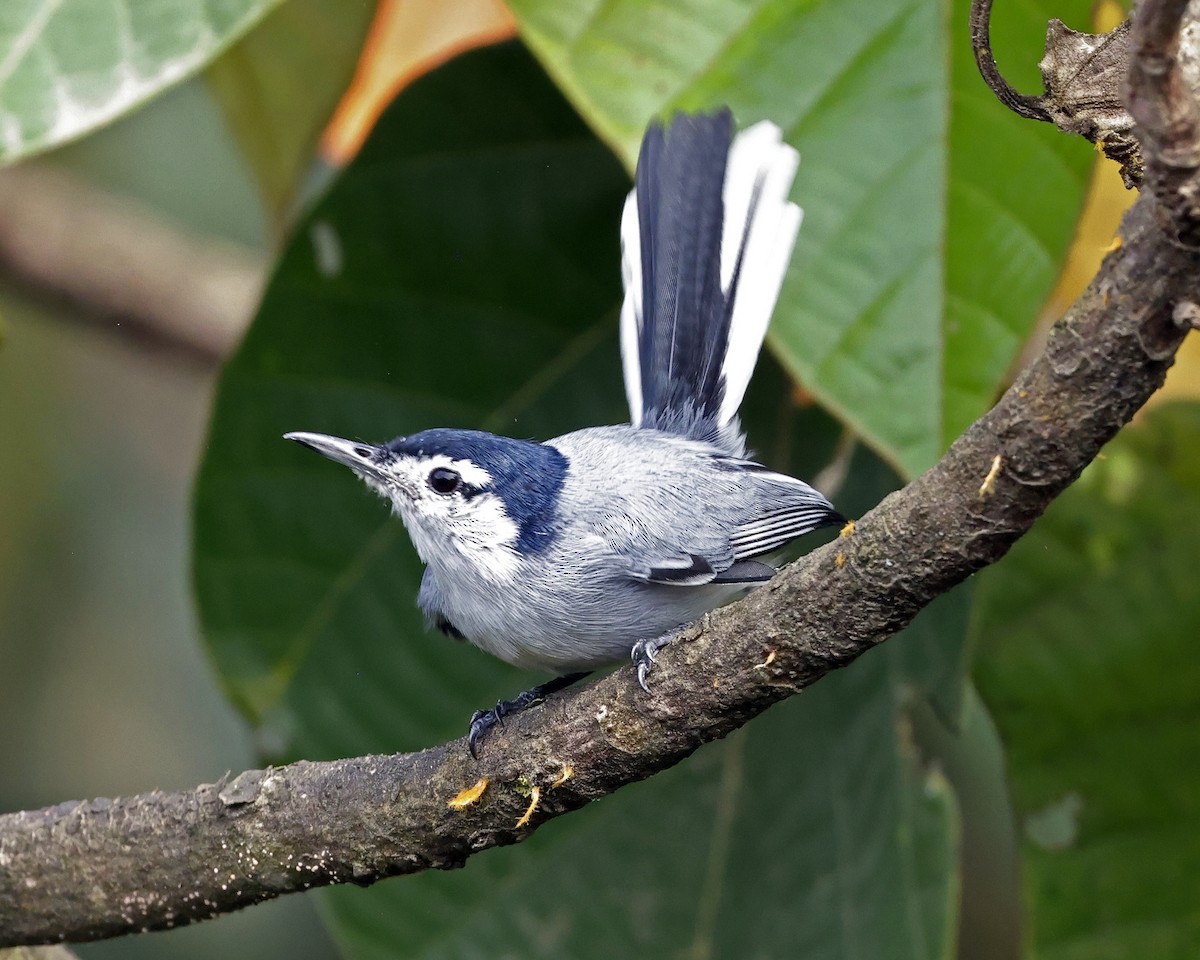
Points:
point(1162, 100)
point(93, 869)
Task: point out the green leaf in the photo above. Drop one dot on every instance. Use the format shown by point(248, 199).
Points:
point(969, 753)
point(67, 66)
point(1087, 636)
point(465, 274)
point(935, 222)
point(305, 45)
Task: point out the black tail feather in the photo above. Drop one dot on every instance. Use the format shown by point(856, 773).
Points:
point(685, 323)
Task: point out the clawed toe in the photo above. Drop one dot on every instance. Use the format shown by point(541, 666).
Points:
point(481, 722)
point(644, 654)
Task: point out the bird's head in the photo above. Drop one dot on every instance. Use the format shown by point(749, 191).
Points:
point(462, 494)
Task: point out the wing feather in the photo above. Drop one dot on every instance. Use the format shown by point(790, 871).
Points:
point(772, 531)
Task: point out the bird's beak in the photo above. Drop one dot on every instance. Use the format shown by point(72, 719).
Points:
point(365, 459)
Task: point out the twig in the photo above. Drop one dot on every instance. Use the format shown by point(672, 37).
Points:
point(981, 43)
point(1083, 75)
point(123, 268)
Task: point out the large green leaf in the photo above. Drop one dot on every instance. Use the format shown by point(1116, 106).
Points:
point(463, 271)
point(67, 66)
point(935, 220)
point(280, 84)
point(1087, 655)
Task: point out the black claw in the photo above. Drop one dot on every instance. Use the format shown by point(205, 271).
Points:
point(644, 655)
point(643, 671)
point(483, 720)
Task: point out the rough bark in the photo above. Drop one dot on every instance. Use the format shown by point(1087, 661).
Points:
point(85, 870)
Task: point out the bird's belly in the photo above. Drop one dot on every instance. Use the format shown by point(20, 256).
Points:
point(568, 631)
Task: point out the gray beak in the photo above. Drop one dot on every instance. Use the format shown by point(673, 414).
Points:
point(363, 458)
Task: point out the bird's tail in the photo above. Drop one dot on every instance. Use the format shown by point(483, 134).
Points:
point(706, 238)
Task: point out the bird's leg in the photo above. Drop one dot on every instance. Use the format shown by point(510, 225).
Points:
point(645, 652)
point(484, 720)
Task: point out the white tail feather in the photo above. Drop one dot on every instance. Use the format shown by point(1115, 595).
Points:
point(758, 160)
point(631, 308)
point(759, 171)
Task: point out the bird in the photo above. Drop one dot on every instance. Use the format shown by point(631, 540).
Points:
point(581, 551)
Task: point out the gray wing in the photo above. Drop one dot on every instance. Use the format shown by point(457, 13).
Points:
point(678, 511)
point(790, 508)
point(771, 510)
point(682, 554)
point(692, 570)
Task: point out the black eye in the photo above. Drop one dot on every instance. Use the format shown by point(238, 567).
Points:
point(443, 480)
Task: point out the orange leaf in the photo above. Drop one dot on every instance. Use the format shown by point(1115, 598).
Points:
point(407, 40)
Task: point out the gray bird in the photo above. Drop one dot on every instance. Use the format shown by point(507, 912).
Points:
point(597, 546)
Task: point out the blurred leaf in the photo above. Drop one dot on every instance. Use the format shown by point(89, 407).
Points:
point(936, 221)
point(463, 271)
point(67, 66)
point(970, 755)
point(1087, 656)
point(279, 86)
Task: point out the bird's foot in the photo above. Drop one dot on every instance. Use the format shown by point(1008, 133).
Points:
point(644, 654)
point(483, 720)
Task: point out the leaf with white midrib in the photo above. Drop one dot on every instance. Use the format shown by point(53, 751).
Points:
point(68, 66)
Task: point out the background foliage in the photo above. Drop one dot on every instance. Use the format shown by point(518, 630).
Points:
point(462, 270)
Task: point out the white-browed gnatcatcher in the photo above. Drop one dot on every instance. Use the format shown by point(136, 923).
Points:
point(596, 546)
